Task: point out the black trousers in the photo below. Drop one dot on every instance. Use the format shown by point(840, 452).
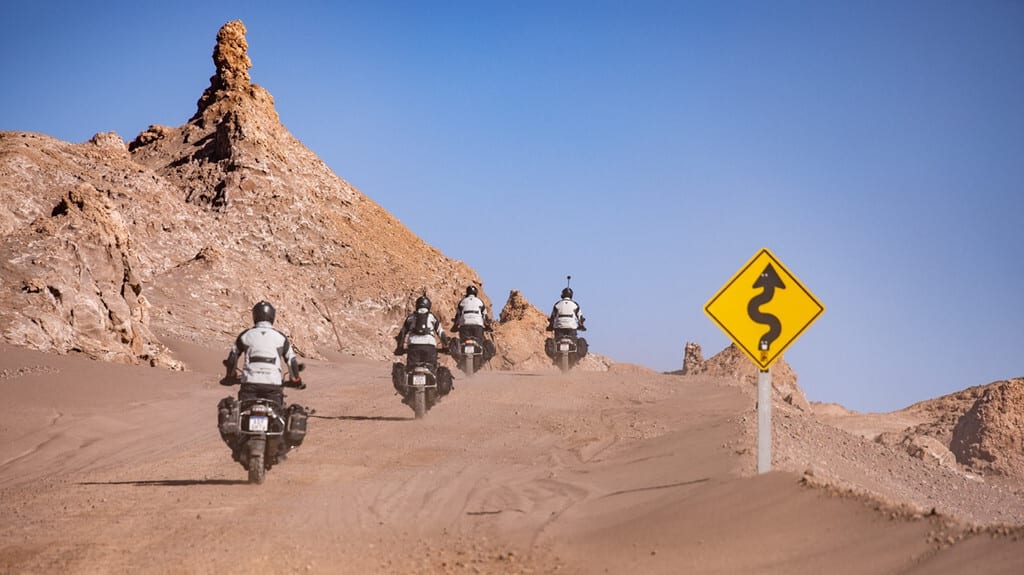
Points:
point(474, 331)
point(565, 333)
point(261, 390)
point(422, 353)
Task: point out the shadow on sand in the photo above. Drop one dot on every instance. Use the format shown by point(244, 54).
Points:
point(170, 482)
point(360, 417)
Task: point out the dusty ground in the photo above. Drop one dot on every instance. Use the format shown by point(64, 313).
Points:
point(119, 469)
point(108, 468)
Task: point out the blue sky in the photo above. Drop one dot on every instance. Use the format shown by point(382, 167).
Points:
point(646, 148)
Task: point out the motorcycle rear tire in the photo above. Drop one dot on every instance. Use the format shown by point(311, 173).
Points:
point(419, 403)
point(257, 473)
point(468, 365)
point(563, 363)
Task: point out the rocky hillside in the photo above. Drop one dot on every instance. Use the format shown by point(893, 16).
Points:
point(980, 428)
point(972, 433)
point(109, 249)
point(731, 363)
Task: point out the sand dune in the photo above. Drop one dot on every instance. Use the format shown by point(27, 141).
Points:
point(109, 468)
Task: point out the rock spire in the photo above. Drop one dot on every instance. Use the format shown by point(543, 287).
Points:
point(231, 57)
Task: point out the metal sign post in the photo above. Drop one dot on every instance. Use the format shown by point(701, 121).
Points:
point(764, 421)
point(762, 296)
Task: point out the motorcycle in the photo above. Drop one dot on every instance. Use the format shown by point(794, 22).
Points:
point(471, 353)
point(565, 351)
point(261, 431)
point(420, 387)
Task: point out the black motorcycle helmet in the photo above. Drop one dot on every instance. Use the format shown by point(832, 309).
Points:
point(471, 290)
point(567, 293)
point(423, 302)
point(263, 311)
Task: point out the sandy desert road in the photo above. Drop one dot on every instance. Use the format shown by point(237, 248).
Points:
point(119, 469)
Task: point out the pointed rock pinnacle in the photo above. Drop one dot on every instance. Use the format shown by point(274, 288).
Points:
point(231, 57)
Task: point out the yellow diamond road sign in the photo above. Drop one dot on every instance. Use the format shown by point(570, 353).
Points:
point(763, 308)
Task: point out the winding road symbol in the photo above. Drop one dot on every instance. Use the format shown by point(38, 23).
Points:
point(763, 308)
point(768, 281)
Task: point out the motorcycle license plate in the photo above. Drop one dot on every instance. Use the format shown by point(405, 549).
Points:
point(258, 422)
point(563, 347)
point(419, 379)
point(468, 350)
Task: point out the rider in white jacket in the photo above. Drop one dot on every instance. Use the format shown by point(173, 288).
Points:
point(263, 347)
point(471, 316)
point(566, 316)
point(422, 331)
point(471, 321)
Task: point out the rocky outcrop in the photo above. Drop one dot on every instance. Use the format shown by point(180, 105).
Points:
point(231, 58)
point(988, 437)
point(732, 363)
point(693, 358)
point(178, 233)
point(519, 337)
point(72, 266)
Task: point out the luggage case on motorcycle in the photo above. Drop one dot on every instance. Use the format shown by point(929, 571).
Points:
point(549, 347)
point(444, 381)
point(398, 377)
point(295, 427)
point(227, 419)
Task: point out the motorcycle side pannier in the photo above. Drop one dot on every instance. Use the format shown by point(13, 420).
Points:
point(227, 419)
point(398, 377)
point(295, 428)
point(444, 381)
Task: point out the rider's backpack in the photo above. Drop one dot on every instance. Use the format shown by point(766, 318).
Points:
point(422, 323)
